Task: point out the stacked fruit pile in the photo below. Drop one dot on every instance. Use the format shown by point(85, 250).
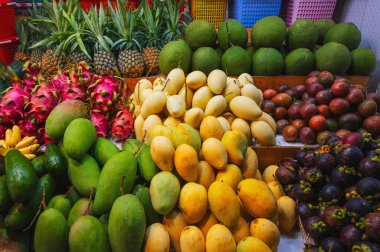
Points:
point(337, 192)
point(323, 106)
point(274, 50)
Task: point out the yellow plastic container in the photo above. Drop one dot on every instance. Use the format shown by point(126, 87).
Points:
point(213, 11)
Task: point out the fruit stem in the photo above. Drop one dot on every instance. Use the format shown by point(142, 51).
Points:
point(42, 204)
point(89, 202)
point(140, 145)
point(69, 191)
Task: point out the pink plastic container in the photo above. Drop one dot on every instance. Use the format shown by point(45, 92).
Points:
point(310, 9)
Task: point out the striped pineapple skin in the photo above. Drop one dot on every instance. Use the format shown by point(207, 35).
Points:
point(104, 62)
point(131, 63)
point(150, 56)
point(20, 56)
point(77, 57)
point(36, 55)
point(50, 63)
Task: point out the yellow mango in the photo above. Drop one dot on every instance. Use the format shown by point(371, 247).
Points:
point(245, 108)
point(145, 94)
point(187, 95)
point(201, 98)
point(157, 239)
point(220, 238)
point(287, 217)
point(258, 175)
point(245, 78)
point(216, 106)
point(193, 202)
point(215, 153)
point(176, 105)
point(206, 174)
point(138, 125)
point(274, 219)
point(207, 222)
point(210, 127)
point(243, 211)
point(162, 152)
point(196, 79)
point(186, 162)
point(249, 90)
point(236, 145)
point(216, 81)
point(225, 124)
point(223, 203)
point(231, 90)
point(265, 117)
point(263, 133)
point(269, 173)
point(141, 85)
point(257, 198)
point(242, 126)
point(250, 165)
point(266, 231)
point(192, 240)
point(149, 123)
point(175, 223)
point(172, 122)
point(276, 189)
point(185, 134)
point(231, 175)
point(233, 80)
point(194, 117)
point(252, 244)
point(137, 110)
point(230, 117)
point(241, 230)
point(159, 84)
point(175, 80)
point(160, 130)
point(153, 104)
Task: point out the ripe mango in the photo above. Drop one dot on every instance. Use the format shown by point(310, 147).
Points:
point(216, 81)
point(231, 175)
point(127, 224)
point(153, 104)
point(61, 203)
point(196, 79)
point(224, 122)
point(243, 211)
point(257, 198)
point(161, 130)
point(119, 172)
point(245, 108)
point(250, 165)
point(207, 222)
point(211, 127)
point(104, 149)
point(231, 90)
point(164, 191)
point(138, 126)
point(216, 106)
point(149, 123)
point(192, 240)
point(249, 90)
point(201, 98)
point(193, 202)
point(269, 120)
point(269, 173)
point(230, 117)
point(241, 230)
point(141, 85)
point(175, 80)
point(263, 133)
point(157, 239)
point(206, 174)
point(172, 122)
point(144, 94)
point(245, 78)
point(88, 235)
point(266, 231)
point(186, 162)
point(220, 238)
point(286, 213)
point(252, 244)
point(159, 83)
point(276, 189)
point(215, 153)
point(162, 153)
point(175, 223)
point(242, 126)
point(187, 95)
point(223, 203)
point(185, 134)
point(236, 145)
point(194, 117)
point(176, 105)
point(80, 208)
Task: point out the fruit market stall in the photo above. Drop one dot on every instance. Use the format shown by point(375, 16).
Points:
point(134, 128)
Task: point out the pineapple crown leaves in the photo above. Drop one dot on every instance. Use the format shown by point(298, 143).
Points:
point(152, 19)
point(22, 33)
point(175, 26)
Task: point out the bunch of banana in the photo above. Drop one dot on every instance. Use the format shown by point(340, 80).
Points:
point(27, 145)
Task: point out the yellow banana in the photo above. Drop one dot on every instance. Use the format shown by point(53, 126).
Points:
point(29, 149)
point(3, 144)
point(3, 151)
point(30, 156)
point(16, 135)
point(26, 141)
point(8, 137)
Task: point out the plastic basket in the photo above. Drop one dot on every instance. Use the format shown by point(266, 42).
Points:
point(213, 11)
point(86, 4)
point(133, 4)
point(8, 48)
point(7, 20)
point(251, 11)
point(310, 9)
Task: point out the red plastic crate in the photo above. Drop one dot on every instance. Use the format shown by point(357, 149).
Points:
point(8, 48)
point(130, 3)
point(7, 20)
point(86, 4)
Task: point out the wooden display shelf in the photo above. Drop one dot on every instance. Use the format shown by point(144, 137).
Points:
point(264, 82)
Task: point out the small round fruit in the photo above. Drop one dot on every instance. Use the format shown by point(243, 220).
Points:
point(280, 113)
point(339, 106)
point(269, 93)
point(326, 79)
point(318, 123)
point(323, 110)
point(308, 111)
point(307, 135)
point(298, 123)
point(340, 88)
point(290, 133)
point(281, 124)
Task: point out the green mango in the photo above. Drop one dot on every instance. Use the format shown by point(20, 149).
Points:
point(61, 203)
point(51, 232)
point(121, 165)
point(131, 145)
point(39, 165)
point(79, 136)
point(84, 174)
point(2, 166)
point(79, 209)
point(127, 224)
point(103, 150)
point(55, 161)
point(5, 198)
point(142, 192)
point(72, 195)
point(20, 176)
point(104, 220)
point(88, 235)
point(164, 191)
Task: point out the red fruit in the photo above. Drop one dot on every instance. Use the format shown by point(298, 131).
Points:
point(354, 138)
point(349, 121)
point(291, 92)
point(269, 93)
point(314, 88)
point(268, 106)
point(332, 124)
point(375, 97)
point(298, 123)
point(342, 132)
point(308, 111)
point(314, 74)
point(305, 96)
point(282, 88)
point(281, 124)
point(294, 111)
point(324, 96)
point(367, 108)
point(355, 96)
point(280, 113)
point(100, 122)
point(339, 106)
point(307, 135)
point(310, 100)
point(300, 90)
point(324, 110)
point(323, 135)
point(340, 88)
point(372, 124)
point(122, 125)
point(283, 100)
point(326, 79)
point(290, 133)
point(310, 80)
point(318, 123)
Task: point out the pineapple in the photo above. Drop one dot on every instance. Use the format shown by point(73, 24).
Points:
point(150, 56)
point(36, 55)
point(130, 60)
point(51, 63)
point(22, 33)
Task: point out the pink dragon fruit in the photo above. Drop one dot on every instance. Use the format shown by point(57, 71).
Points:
point(3, 128)
point(60, 80)
point(44, 99)
point(73, 92)
point(122, 125)
point(104, 97)
point(12, 104)
point(100, 122)
point(83, 75)
point(28, 128)
point(43, 137)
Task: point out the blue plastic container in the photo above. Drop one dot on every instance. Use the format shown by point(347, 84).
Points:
point(250, 11)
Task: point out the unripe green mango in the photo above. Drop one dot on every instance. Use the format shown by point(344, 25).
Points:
point(39, 165)
point(79, 209)
point(164, 192)
point(61, 203)
point(5, 198)
point(142, 192)
point(55, 161)
point(103, 150)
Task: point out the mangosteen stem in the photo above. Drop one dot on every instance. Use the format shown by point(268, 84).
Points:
point(339, 214)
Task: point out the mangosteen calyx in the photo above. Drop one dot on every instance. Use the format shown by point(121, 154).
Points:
point(339, 214)
point(319, 227)
point(376, 159)
point(306, 187)
point(347, 170)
